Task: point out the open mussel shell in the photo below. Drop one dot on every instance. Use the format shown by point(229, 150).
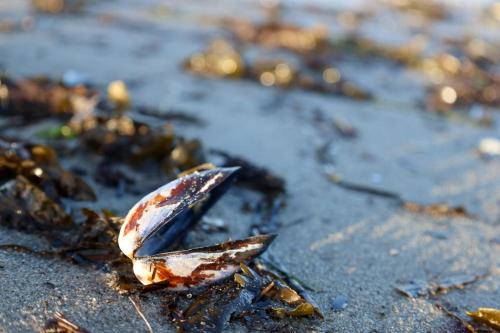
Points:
point(164, 215)
point(180, 270)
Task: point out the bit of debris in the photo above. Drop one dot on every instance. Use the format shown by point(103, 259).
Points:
point(345, 129)
point(438, 210)
point(363, 188)
point(414, 288)
point(135, 301)
point(302, 310)
point(339, 303)
point(462, 322)
point(418, 288)
point(437, 234)
point(169, 115)
point(59, 324)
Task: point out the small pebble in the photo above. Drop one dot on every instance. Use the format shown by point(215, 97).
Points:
point(339, 303)
point(393, 252)
point(489, 147)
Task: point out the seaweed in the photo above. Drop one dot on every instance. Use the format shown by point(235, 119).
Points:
point(121, 139)
point(485, 320)
point(430, 9)
point(461, 73)
point(57, 7)
point(364, 189)
point(252, 176)
point(254, 297)
point(24, 206)
point(222, 60)
point(277, 34)
point(32, 186)
point(39, 164)
point(33, 99)
point(466, 326)
point(112, 175)
point(487, 316)
point(101, 125)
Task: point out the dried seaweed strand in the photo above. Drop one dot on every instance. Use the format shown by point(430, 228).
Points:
point(137, 306)
point(366, 189)
point(463, 322)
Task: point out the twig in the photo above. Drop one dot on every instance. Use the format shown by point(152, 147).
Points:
point(60, 322)
point(137, 307)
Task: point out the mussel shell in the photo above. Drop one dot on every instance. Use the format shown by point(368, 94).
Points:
point(181, 270)
point(164, 215)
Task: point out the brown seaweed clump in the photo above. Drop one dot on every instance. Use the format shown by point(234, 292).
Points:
point(58, 6)
point(120, 139)
point(32, 184)
point(222, 60)
point(39, 165)
point(32, 99)
point(258, 298)
point(275, 34)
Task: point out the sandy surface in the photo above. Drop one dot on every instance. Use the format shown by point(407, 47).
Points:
point(348, 243)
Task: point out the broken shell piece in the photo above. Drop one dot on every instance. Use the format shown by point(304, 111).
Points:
point(162, 217)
